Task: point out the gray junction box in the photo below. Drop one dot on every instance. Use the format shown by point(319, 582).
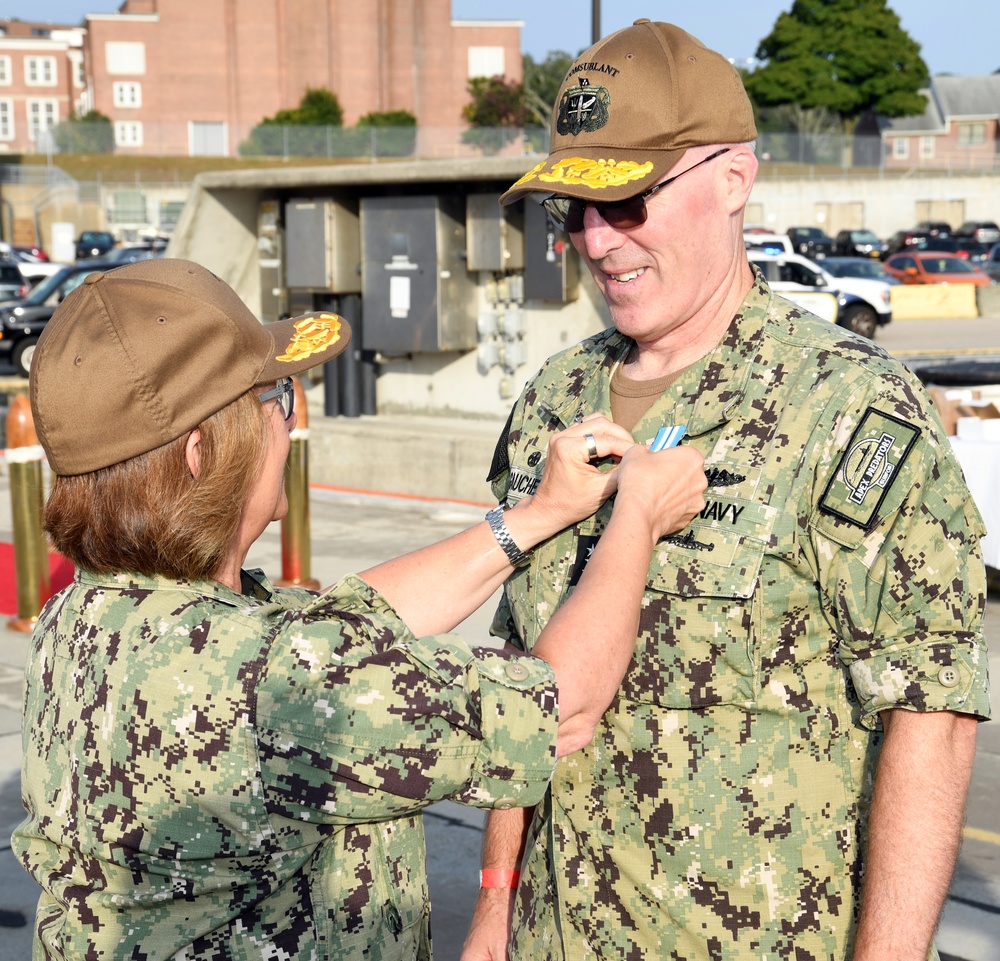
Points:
point(417, 295)
point(323, 246)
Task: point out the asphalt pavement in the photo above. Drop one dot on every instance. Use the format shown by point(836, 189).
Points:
point(351, 531)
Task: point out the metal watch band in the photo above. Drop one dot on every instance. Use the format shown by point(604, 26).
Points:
point(514, 553)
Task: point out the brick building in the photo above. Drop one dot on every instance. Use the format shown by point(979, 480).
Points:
point(41, 82)
point(195, 76)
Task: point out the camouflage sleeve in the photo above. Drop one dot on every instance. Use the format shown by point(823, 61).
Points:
point(362, 721)
point(896, 545)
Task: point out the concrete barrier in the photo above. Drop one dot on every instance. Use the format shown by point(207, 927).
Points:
point(988, 299)
point(920, 301)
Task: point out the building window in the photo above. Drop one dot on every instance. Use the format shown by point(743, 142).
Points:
point(76, 68)
point(900, 148)
point(40, 71)
point(5, 75)
point(127, 93)
point(927, 147)
point(971, 134)
point(486, 61)
point(6, 119)
point(208, 139)
point(125, 57)
point(128, 133)
point(42, 116)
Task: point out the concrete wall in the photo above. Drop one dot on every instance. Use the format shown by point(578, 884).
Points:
point(879, 203)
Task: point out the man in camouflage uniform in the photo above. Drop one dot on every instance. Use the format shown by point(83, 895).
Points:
point(784, 771)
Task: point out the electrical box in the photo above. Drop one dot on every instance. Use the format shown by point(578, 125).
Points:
point(551, 264)
point(323, 246)
point(417, 295)
point(270, 258)
point(495, 234)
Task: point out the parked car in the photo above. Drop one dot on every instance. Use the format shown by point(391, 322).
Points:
point(857, 243)
point(129, 253)
point(932, 267)
point(23, 320)
point(973, 250)
point(13, 286)
point(864, 304)
point(29, 252)
point(33, 269)
point(991, 265)
point(811, 242)
point(906, 240)
point(934, 228)
point(93, 243)
point(985, 231)
point(860, 268)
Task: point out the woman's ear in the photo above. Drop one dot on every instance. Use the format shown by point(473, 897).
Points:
point(192, 451)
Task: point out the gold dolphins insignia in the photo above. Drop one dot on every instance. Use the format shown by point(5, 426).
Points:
point(583, 171)
point(313, 334)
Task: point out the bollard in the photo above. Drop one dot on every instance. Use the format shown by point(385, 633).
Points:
point(296, 561)
point(31, 557)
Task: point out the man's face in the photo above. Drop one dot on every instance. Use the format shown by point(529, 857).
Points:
point(667, 271)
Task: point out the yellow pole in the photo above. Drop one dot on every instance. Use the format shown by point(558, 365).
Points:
point(296, 547)
point(31, 557)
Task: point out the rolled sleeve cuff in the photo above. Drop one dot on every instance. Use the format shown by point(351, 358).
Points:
point(931, 675)
point(519, 719)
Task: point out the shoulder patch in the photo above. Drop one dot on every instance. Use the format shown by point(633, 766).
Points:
point(868, 468)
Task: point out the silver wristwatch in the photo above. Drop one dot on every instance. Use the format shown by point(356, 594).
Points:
point(514, 553)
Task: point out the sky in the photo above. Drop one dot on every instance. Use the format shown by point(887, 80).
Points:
point(957, 37)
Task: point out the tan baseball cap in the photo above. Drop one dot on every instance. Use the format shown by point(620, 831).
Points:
point(137, 356)
point(630, 107)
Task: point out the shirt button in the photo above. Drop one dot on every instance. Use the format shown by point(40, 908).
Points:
point(504, 804)
point(517, 671)
point(948, 676)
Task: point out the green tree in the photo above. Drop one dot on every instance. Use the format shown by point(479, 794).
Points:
point(496, 109)
point(541, 85)
point(391, 133)
point(91, 132)
point(848, 56)
point(303, 131)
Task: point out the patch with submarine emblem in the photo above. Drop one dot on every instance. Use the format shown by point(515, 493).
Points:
point(868, 468)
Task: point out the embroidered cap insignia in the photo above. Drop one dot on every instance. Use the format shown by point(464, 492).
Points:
point(583, 109)
point(313, 334)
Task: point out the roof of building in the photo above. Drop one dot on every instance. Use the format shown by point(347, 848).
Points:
point(950, 97)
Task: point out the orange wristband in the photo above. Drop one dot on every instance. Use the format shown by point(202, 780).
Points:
point(499, 878)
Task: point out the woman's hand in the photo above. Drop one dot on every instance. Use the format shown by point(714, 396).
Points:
point(667, 487)
point(572, 486)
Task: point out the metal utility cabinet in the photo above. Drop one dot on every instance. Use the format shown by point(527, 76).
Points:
point(322, 246)
point(417, 294)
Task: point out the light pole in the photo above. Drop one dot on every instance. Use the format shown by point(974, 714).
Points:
point(595, 21)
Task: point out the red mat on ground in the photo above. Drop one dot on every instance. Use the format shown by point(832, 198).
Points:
point(60, 574)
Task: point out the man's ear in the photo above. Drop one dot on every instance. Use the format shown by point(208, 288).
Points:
point(192, 451)
point(741, 172)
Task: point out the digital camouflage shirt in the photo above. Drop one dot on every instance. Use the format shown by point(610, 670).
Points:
point(210, 775)
point(834, 572)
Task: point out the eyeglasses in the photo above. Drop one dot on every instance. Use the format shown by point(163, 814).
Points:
point(284, 393)
point(566, 213)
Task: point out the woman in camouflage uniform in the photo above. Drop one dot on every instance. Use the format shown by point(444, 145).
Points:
point(218, 769)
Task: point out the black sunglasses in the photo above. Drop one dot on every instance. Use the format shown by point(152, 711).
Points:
point(284, 393)
point(566, 213)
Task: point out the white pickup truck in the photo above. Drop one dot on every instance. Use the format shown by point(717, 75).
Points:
point(863, 305)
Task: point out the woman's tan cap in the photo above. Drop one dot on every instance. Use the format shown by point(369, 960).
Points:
point(137, 356)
